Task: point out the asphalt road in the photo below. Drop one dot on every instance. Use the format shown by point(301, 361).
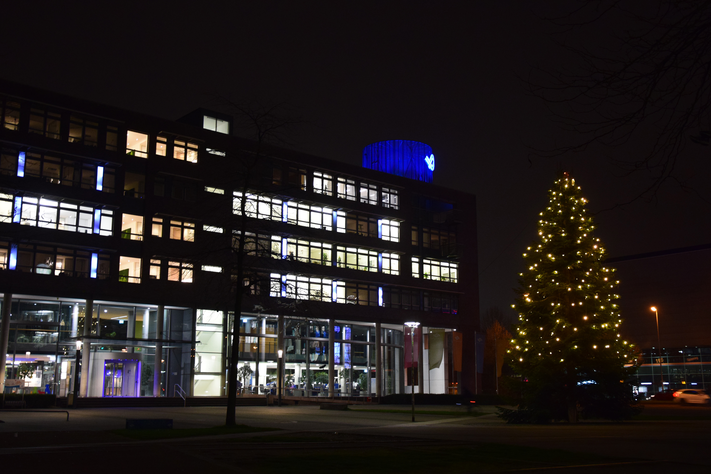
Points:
point(668, 437)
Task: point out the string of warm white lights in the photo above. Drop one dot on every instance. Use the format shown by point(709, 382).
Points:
point(567, 304)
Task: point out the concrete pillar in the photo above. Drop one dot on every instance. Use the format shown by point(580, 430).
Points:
point(331, 367)
point(378, 360)
point(146, 323)
point(4, 336)
point(86, 349)
point(75, 320)
point(160, 315)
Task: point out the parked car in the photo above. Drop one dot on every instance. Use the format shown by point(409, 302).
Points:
point(691, 395)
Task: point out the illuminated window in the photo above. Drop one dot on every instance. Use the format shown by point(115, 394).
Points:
point(161, 146)
point(440, 270)
point(157, 227)
point(130, 269)
point(308, 251)
point(300, 287)
point(185, 151)
point(357, 259)
point(131, 227)
point(154, 269)
point(137, 144)
point(415, 267)
point(260, 207)
point(389, 230)
point(346, 189)
point(323, 183)
point(210, 189)
point(49, 214)
point(213, 229)
point(45, 123)
point(6, 207)
point(215, 124)
point(389, 198)
point(181, 230)
point(391, 263)
point(211, 268)
point(180, 271)
point(10, 115)
point(83, 131)
point(369, 193)
point(310, 216)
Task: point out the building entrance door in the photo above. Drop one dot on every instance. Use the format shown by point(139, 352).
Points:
point(121, 378)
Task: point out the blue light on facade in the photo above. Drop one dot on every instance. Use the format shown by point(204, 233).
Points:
point(94, 264)
point(380, 228)
point(334, 291)
point(17, 210)
point(406, 158)
point(21, 165)
point(380, 262)
point(283, 248)
point(284, 211)
point(283, 286)
point(13, 257)
point(97, 220)
point(99, 178)
point(380, 296)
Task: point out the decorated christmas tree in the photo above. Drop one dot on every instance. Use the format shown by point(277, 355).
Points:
point(567, 345)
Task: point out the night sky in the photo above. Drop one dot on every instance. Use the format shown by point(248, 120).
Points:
point(448, 74)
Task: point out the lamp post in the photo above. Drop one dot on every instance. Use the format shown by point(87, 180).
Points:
point(280, 378)
point(659, 343)
point(412, 326)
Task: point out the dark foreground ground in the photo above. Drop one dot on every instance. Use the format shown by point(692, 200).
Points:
point(363, 439)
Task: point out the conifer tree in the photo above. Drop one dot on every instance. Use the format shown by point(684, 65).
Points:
point(567, 344)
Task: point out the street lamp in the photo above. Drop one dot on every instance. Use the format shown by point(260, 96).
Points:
point(659, 343)
point(280, 378)
point(412, 326)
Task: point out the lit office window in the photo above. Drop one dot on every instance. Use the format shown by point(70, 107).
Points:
point(185, 151)
point(389, 198)
point(368, 193)
point(346, 189)
point(215, 124)
point(323, 183)
point(161, 146)
point(130, 269)
point(137, 144)
point(180, 271)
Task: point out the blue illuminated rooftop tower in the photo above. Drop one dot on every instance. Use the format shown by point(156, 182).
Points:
point(406, 158)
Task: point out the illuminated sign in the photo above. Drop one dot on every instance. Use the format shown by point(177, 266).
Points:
point(407, 158)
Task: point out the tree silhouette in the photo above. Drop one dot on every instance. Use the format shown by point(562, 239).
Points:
point(648, 80)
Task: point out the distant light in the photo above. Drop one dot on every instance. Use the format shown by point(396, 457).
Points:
point(430, 162)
